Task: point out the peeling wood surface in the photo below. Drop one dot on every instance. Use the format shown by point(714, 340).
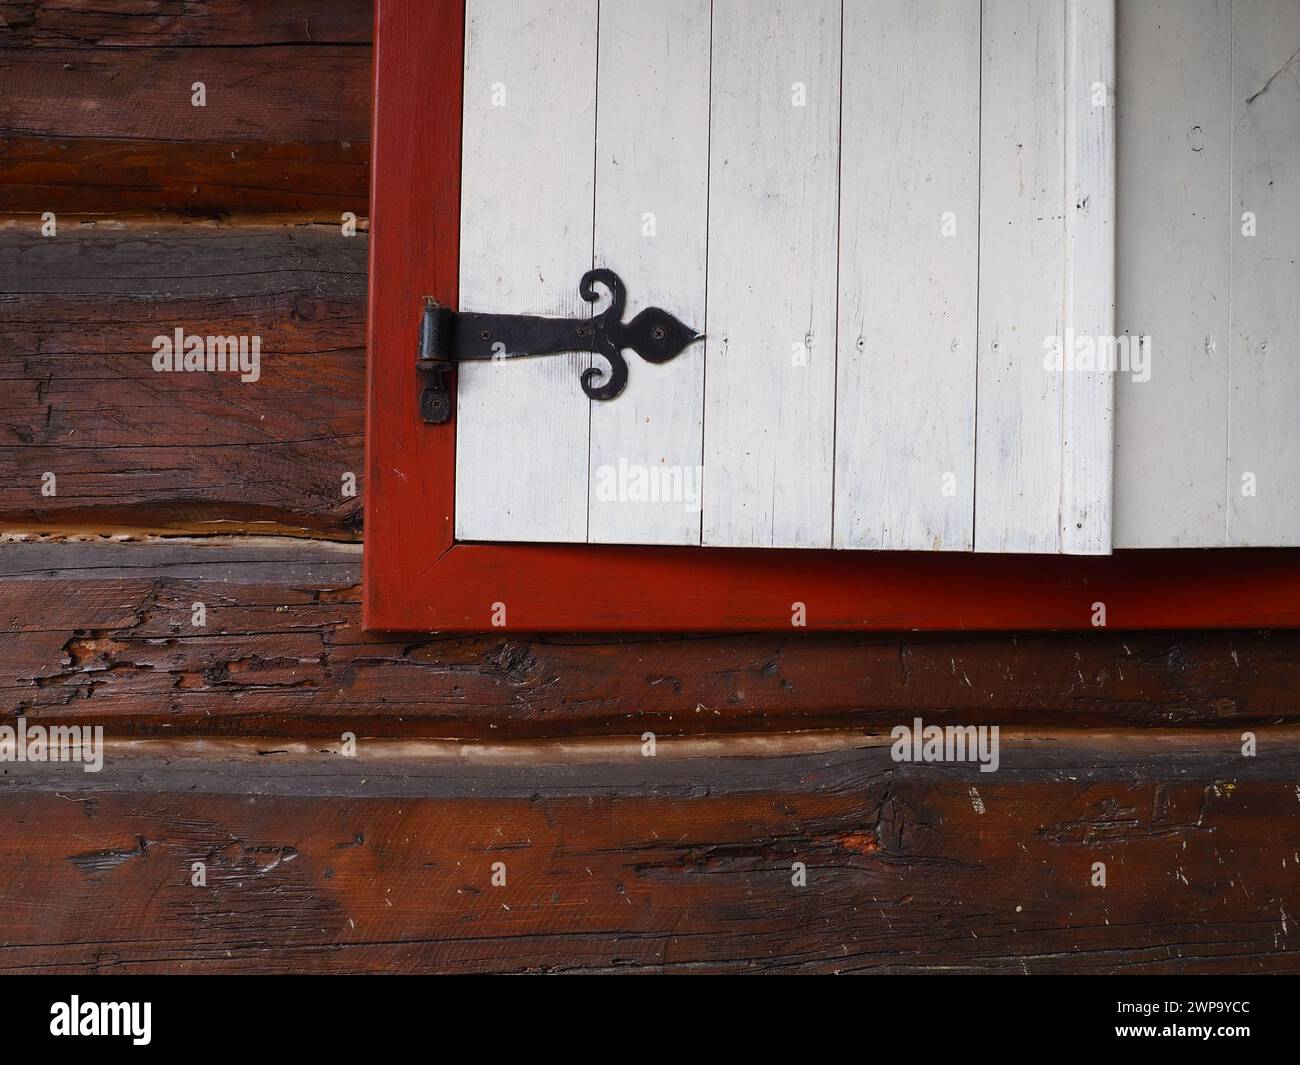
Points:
point(193, 451)
point(98, 115)
point(102, 632)
point(693, 765)
point(633, 868)
point(222, 740)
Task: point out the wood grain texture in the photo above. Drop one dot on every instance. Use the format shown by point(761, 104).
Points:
point(523, 427)
point(319, 181)
point(908, 276)
point(98, 116)
point(630, 865)
point(419, 580)
point(652, 184)
point(199, 451)
point(1263, 486)
point(1088, 393)
point(1022, 259)
point(184, 23)
point(1208, 143)
point(616, 862)
point(307, 93)
point(1173, 143)
point(103, 632)
point(769, 387)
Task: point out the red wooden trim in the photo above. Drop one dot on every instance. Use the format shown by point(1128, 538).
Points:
point(417, 578)
point(414, 252)
point(569, 587)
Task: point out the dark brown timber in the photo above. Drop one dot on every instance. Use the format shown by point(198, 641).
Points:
point(223, 739)
point(104, 632)
point(98, 114)
point(313, 863)
point(130, 446)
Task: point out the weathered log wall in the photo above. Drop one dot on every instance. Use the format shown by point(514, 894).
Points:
point(173, 489)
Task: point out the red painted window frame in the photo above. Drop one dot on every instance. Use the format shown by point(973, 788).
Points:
point(417, 577)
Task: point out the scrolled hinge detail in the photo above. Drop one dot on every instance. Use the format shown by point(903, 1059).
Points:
point(448, 337)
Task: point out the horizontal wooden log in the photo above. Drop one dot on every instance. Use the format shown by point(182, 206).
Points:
point(184, 23)
point(676, 863)
point(99, 116)
point(310, 93)
point(203, 179)
point(131, 447)
point(104, 632)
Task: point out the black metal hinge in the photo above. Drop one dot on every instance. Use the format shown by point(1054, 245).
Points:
point(448, 337)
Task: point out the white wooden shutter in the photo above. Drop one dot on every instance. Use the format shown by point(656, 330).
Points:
point(908, 276)
point(523, 428)
point(1208, 450)
point(651, 218)
point(878, 211)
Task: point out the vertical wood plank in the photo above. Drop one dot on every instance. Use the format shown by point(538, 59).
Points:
point(769, 417)
point(1088, 407)
point(1021, 302)
point(652, 169)
point(1264, 375)
point(908, 265)
point(522, 440)
point(1173, 150)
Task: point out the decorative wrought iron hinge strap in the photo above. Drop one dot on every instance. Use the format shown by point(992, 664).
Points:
point(448, 337)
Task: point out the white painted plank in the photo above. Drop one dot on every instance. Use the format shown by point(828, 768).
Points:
point(771, 324)
point(526, 239)
point(1173, 147)
point(652, 169)
point(1087, 400)
point(1264, 398)
point(908, 275)
point(1022, 248)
